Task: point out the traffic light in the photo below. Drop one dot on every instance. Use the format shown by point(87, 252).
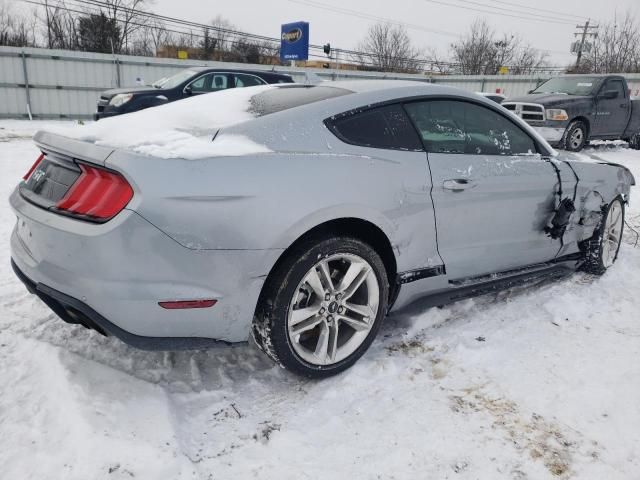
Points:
point(327, 48)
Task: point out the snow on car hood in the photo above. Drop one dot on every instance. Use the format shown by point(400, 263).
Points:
point(182, 129)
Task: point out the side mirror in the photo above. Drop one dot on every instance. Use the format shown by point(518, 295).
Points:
point(609, 94)
point(188, 90)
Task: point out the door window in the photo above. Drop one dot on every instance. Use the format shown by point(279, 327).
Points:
point(209, 83)
point(616, 85)
point(451, 126)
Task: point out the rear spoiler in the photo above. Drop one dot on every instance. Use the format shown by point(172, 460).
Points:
point(54, 143)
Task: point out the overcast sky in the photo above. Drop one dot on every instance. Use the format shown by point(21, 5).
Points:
point(431, 23)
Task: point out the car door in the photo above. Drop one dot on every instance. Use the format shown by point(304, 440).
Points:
point(612, 112)
point(492, 193)
point(385, 138)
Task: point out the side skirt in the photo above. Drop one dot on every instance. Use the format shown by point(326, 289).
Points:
point(461, 289)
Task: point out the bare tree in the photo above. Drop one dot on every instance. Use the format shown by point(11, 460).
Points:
point(61, 26)
point(61, 22)
point(528, 60)
point(388, 48)
point(475, 52)
point(16, 30)
point(221, 35)
point(128, 15)
point(151, 38)
point(616, 49)
point(97, 33)
point(437, 62)
point(482, 52)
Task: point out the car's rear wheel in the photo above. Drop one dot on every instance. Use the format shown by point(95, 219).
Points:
point(602, 249)
point(575, 136)
point(322, 306)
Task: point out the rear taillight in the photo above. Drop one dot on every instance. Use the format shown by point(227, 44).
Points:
point(33, 167)
point(97, 194)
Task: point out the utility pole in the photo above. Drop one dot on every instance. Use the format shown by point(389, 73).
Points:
point(46, 8)
point(586, 30)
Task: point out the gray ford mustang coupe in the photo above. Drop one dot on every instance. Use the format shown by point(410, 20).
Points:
point(302, 215)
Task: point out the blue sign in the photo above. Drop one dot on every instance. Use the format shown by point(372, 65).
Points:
point(294, 41)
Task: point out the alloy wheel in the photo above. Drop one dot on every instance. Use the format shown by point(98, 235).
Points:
point(333, 309)
point(576, 138)
point(612, 234)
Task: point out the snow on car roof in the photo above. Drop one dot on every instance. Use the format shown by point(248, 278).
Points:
point(182, 129)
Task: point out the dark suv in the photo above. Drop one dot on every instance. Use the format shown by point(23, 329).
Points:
point(192, 81)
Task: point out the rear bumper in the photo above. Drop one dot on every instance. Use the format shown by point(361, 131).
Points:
point(73, 311)
point(116, 273)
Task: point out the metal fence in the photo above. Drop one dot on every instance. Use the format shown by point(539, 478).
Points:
point(44, 83)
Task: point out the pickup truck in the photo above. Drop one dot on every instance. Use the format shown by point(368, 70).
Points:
point(570, 110)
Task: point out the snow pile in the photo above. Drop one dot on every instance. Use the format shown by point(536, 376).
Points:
point(182, 129)
point(16, 129)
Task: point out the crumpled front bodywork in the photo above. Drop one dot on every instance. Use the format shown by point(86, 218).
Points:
point(599, 183)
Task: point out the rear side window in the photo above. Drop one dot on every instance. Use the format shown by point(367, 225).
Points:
point(451, 126)
point(383, 127)
point(243, 80)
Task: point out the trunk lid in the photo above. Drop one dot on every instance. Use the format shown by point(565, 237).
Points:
point(58, 170)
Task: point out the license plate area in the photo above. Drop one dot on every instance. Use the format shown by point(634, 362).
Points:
point(50, 181)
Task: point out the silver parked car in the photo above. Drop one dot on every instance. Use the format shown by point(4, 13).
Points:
point(362, 198)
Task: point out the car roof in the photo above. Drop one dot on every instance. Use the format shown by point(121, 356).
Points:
point(384, 90)
point(375, 85)
point(366, 93)
point(236, 70)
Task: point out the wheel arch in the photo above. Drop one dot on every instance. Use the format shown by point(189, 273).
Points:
point(585, 120)
point(354, 227)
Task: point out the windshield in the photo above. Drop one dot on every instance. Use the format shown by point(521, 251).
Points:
point(159, 83)
point(569, 85)
point(174, 80)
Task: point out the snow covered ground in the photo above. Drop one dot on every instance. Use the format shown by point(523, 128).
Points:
point(527, 384)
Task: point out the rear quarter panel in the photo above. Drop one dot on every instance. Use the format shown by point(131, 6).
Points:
point(267, 201)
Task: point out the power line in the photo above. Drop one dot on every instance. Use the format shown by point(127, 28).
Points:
point(130, 22)
point(530, 15)
point(357, 56)
point(555, 12)
point(530, 18)
point(355, 13)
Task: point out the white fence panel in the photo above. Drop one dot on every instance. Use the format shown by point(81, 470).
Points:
point(67, 84)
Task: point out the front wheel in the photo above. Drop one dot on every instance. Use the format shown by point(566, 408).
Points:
point(575, 137)
point(602, 249)
point(322, 306)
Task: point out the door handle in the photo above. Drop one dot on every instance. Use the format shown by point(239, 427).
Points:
point(458, 184)
point(624, 105)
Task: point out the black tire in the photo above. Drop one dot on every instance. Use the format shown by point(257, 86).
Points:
point(575, 136)
point(269, 328)
point(594, 262)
